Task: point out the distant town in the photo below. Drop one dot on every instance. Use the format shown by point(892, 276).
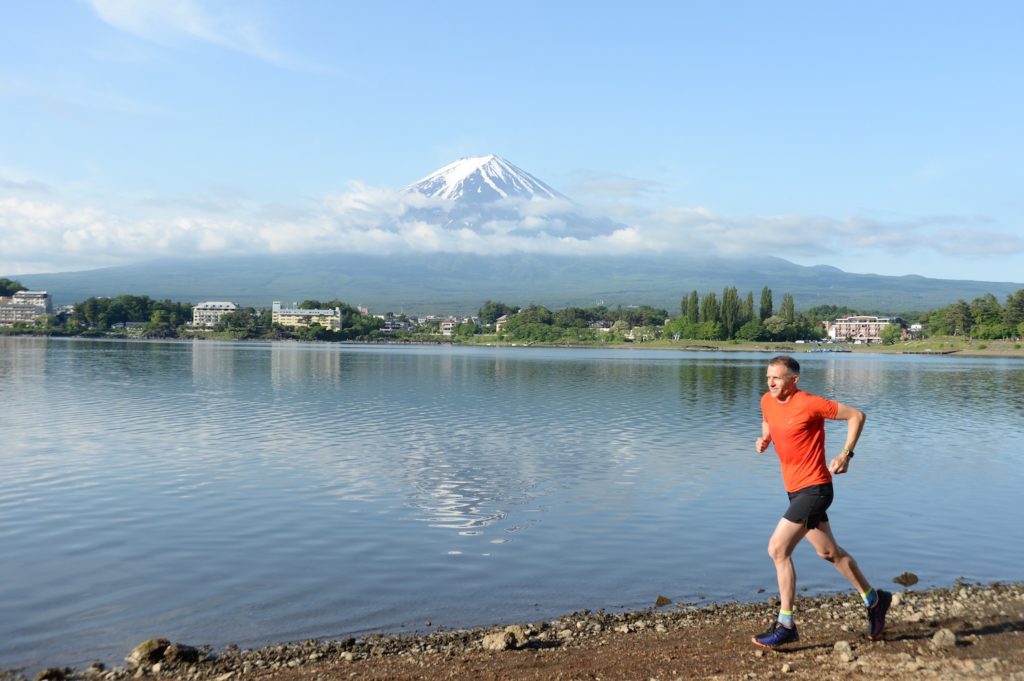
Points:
point(709, 317)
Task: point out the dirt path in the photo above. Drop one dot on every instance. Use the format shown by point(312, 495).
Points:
point(964, 632)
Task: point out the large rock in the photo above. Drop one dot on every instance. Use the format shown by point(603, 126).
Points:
point(178, 653)
point(520, 633)
point(502, 640)
point(944, 639)
point(906, 579)
point(147, 652)
point(844, 651)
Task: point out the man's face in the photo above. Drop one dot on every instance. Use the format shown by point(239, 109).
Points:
point(781, 383)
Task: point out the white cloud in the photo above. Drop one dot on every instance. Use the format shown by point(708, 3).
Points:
point(223, 24)
point(611, 186)
point(44, 232)
point(27, 186)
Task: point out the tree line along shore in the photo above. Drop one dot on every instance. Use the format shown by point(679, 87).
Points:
point(727, 318)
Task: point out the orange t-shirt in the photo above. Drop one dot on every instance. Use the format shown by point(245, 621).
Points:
point(797, 428)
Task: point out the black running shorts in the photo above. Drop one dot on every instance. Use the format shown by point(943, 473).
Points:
point(807, 506)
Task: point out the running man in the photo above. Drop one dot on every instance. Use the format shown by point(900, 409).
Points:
point(795, 422)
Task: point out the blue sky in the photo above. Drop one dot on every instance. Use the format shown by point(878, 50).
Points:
point(872, 136)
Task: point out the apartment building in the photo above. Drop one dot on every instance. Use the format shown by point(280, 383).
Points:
point(864, 328)
point(24, 306)
point(294, 316)
point(209, 313)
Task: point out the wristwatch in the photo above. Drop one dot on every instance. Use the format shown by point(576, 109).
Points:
point(848, 452)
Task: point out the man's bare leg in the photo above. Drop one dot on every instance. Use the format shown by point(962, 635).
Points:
point(823, 541)
point(783, 541)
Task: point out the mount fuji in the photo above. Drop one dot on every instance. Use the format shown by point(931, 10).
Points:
point(482, 179)
point(489, 195)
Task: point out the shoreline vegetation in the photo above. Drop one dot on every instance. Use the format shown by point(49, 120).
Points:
point(962, 631)
point(730, 322)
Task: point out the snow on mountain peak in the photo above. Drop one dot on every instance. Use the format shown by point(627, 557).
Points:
point(482, 179)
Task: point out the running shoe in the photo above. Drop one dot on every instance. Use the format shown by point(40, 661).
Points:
point(776, 636)
point(876, 615)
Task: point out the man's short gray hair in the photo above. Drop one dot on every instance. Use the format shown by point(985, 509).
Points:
point(785, 360)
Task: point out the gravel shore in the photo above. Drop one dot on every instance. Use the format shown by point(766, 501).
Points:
point(966, 631)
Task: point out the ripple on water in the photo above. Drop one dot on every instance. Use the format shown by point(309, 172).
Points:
point(248, 493)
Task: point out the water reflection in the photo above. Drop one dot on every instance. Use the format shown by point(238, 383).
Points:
point(293, 364)
point(283, 482)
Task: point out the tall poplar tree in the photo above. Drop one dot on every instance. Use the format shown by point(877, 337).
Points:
point(766, 303)
point(788, 310)
point(747, 311)
point(730, 311)
point(693, 308)
point(710, 309)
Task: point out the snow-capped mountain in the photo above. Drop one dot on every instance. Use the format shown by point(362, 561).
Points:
point(482, 179)
point(489, 195)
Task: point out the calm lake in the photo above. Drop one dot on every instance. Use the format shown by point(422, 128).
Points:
point(249, 493)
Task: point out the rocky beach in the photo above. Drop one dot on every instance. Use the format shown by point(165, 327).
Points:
point(965, 631)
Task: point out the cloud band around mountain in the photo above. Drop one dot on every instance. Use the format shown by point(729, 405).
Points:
point(43, 232)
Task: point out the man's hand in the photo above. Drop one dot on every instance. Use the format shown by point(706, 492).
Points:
point(761, 444)
point(839, 465)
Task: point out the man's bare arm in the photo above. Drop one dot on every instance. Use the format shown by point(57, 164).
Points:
point(761, 443)
point(854, 425)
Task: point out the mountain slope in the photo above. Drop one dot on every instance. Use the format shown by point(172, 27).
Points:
point(460, 283)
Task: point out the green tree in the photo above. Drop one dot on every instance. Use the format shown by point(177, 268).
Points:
point(241, 323)
point(730, 312)
point(986, 310)
point(1013, 312)
point(991, 331)
point(747, 311)
point(534, 314)
point(643, 315)
point(466, 330)
point(788, 309)
point(87, 313)
point(821, 313)
point(776, 327)
point(693, 308)
point(766, 303)
point(890, 334)
point(753, 330)
point(8, 287)
point(570, 317)
point(958, 318)
point(710, 331)
point(710, 309)
point(159, 325)
point(491, 311)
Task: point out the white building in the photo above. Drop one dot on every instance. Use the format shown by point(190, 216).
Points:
point(448, 326)
point(209, 313)
point(24, 306)
point(293, 316)
point(863, 328)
